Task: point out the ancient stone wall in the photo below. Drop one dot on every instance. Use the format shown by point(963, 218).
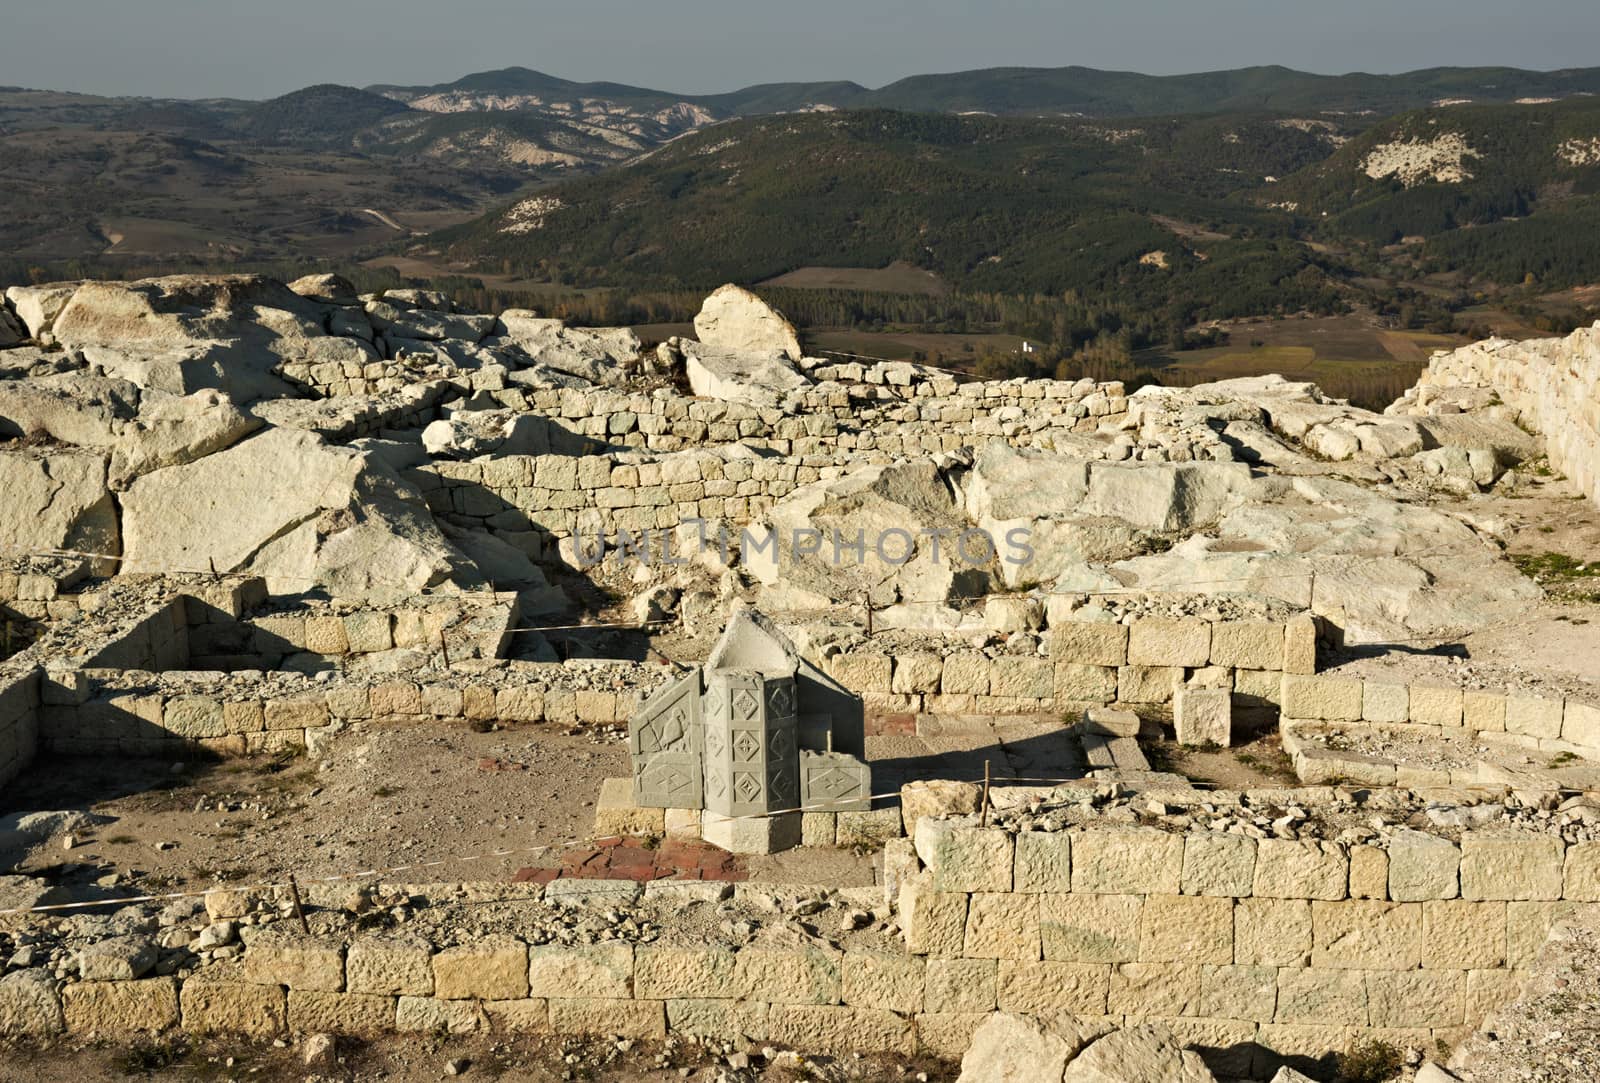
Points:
point(141, 713)
point(1550, 385)
point(19, 722)
point(1511, 723)
point(1254, 950)
point(1144, 661)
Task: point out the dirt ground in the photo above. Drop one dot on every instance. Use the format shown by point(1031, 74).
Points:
point(389, 794)
point(531, 1059)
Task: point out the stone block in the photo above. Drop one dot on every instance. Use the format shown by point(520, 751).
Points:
point(1272, 932)
point(1385, 702)
point(29, 1006)
point(1462, 935)
point(340, 1013)
point(1305, 869)
point(1156, 641)
point(800, 975)
point(965, 673)
point(1420, 998)
point(1239, 992)
point(602, 970)
point(1186, 929)
point(1433, 706)
point(1043, 862)
point(816, 828)
point(1336, 699)
point(1528, 926)
point(725, 1020)
point(493, 968)
point(120, 958)
point(948, 1034)
point(934, 923)
point(1369, 873)
point(194, 717)
point(1148, 684)
point(244, 716)
point(531, 1016)
point(120, 1006)
point(1581, 872)
point(840, 1030)
point(872, 828)
point(1580, 724)
point(297, 961)
point(966, 858)
point(1051, 988)
point(1247, 645)
point(1258, 686)
point(395, 698)
point(1203, 716)
point(1089, 643)
point(209, 1006)
point(916, 673)
point(1127, 861)
point(616, 814)
point(1160, 990)
point(368, 632)
point(1300, 645)
point(1087, 928)
point(478, 703)
point(1110, 722)
point(1422, 866)
point(863, 671)
point(1075, 683)
point(425, 1015)
point(385, 966)
point(1484, 712)
point(1358, 934)
point(1002, 926)
point(1489, 991)
point(296, 713)
point(517, 704)
point(442, 701)
point(1511, 865)
point(960, 985)
point(752, 834)
point(1322, 997)
point(645, 1019)
point(893, 981)
point(1534, 716)
point(1022, 678)
point(325, 635)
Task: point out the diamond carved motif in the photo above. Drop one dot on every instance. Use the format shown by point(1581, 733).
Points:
point(746, 747)
point(744, 704)
point(746, 787)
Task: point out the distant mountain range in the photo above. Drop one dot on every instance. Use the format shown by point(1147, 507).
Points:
point(1034, 91)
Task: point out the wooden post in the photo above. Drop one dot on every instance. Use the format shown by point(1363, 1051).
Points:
point(299, 911)
point(866, 600)
point(984, 801)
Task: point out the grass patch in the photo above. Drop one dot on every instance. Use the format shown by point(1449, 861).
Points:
point(1542, 567)
point(1370, 1062)
point(148, 1058)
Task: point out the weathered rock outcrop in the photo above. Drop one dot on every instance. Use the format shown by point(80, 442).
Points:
point(57, 500)
point(601, 356)
point(286, 506)
point(736, 320)
point(187, 333)
point(1549, 385)
point(760, 379)
point(38, 306)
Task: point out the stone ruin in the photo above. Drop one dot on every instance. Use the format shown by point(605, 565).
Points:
point(752, 738)
point(246, 518)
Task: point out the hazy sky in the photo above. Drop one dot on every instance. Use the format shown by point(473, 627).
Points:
point(260, 48)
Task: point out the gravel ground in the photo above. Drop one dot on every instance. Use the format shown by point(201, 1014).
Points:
point(1552, 1033)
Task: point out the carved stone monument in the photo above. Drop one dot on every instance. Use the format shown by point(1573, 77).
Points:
point(751, 738)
